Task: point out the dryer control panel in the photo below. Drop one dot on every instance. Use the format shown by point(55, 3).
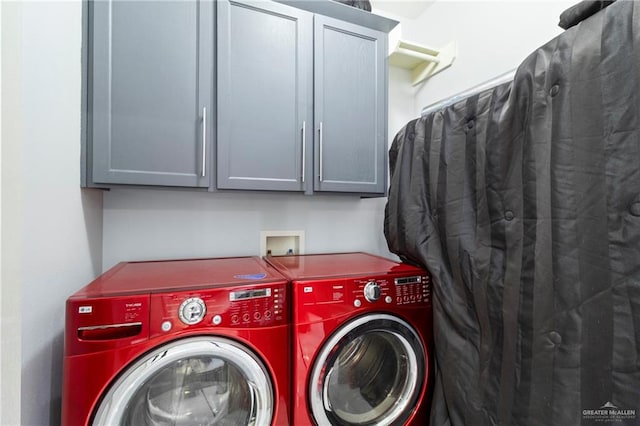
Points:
point(324, 298)
point(415, 289)
point(241, 307)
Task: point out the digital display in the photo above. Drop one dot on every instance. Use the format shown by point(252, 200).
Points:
point(249, 294)
point(408, 280)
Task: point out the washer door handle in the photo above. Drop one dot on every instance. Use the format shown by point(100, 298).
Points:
point(109, 331)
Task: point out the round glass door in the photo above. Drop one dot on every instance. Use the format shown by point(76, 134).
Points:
point(370, 372)
point(195, 381)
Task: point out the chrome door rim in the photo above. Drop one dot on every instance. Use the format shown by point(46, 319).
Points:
point(113, 406)
point(412, 345)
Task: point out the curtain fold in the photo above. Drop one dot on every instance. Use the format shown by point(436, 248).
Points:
point(524, 203)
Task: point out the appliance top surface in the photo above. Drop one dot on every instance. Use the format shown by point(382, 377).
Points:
point(338, 265)
point(172, 275)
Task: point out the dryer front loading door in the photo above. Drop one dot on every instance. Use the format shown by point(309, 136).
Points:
point(194, 381)
point(371, 371)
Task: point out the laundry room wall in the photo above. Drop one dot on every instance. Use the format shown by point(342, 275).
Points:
point(10, 129)
point(51, 239)
point(493, 37)
point(140, 225)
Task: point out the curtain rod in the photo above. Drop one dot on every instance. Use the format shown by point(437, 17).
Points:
point(496, 81)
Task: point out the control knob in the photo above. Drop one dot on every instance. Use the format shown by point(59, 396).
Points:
point(372, 291)
point(192, 311)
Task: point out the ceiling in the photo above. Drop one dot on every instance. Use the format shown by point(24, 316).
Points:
point(404, 8)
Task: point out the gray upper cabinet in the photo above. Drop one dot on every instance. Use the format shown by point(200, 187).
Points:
point(264, 95)
point(350, 99)
point(236, 95)
point(150, 93)
point(301, 101)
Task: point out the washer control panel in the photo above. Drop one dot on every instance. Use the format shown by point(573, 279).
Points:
point(260, 305)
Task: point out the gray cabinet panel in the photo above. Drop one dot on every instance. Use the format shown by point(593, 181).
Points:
point(350, 107)
point(278, 75)
point(151, 73)
point(264, 95)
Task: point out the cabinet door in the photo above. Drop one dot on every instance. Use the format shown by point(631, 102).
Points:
point(264, 95)
point(150, 80)
point(350, 107)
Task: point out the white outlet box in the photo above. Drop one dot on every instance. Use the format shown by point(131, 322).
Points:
point(281, 243)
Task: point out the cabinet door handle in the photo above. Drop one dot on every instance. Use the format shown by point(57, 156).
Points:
point(304, 148)
point(204, 141)
point(320, 137)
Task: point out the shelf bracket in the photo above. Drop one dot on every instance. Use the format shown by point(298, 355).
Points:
point(423, 61)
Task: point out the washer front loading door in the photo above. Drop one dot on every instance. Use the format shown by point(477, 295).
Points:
point(195, 381)
point(371, 371)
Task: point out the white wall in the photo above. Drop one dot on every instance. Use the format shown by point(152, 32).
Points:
point(60, 244)
point(401, 100)
point(10, 200)
point(493, 37)
point(154, 224)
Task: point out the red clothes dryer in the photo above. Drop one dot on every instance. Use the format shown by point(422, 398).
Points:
point(362, 337)
point(179, 342)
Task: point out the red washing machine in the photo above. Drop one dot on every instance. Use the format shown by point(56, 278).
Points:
point(362, 337)
point(186, 342)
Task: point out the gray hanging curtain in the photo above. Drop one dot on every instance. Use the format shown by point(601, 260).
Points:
point(524, 203)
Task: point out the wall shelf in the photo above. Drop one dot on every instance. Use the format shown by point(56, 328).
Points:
point(423, 61)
